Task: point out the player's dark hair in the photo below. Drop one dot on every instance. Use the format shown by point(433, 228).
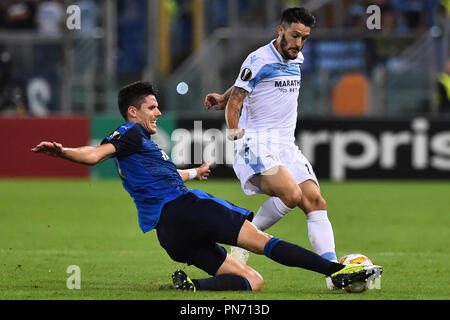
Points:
point(133, 94)
point(297, 15)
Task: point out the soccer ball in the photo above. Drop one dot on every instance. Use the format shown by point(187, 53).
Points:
point(356, 258)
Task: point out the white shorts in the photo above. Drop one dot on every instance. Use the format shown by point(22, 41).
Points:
point(254, 157)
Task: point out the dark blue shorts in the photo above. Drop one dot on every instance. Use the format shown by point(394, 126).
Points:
point(191, 226)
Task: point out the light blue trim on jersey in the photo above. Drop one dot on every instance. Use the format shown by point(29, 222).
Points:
point(331, 256)
point(203, 195)
point(275, 52)
point(251, 159)
point(273, 70)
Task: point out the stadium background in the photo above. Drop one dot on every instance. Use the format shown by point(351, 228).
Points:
point(373, 102)
point(355, 79)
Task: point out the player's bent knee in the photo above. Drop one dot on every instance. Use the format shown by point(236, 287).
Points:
point(256, 280)
point(319, 203)
point(296, 198)
point(324, 202)
point(252, 239)
point(292, 199)
point(257, 285)
point(313, 203)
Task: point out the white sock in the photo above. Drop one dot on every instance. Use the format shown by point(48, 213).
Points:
point(320, 234)
point(271, 211)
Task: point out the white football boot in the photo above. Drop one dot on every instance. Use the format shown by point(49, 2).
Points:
point(239, 254)
point(330, 284)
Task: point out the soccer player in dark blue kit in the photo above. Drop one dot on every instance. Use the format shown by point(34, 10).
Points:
point(190, 224)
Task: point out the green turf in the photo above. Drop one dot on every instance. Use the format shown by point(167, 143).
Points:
point(48, 225)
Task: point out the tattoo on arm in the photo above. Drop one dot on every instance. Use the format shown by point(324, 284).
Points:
point(234, 106)
point(239, 95)
point(227, 93)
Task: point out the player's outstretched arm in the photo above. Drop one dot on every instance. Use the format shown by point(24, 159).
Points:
point(88, 155)
point(200, 173)
point(233, 113)
point(218, 101)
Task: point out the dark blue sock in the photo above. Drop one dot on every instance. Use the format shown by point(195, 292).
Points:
point(292, 255)
point(223, 282)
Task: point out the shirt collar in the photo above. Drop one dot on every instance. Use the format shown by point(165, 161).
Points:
point(145, 131)
point(278, 56)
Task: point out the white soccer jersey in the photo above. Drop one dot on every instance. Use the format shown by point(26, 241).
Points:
point(273, 85)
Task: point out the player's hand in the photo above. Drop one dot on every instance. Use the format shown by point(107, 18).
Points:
point(203, 172)
point(215, 100)
point(235, 134)
point(53, 149)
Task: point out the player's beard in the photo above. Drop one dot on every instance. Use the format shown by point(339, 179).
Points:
point(285, 49)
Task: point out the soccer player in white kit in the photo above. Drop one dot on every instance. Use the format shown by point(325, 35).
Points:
point(261, 116)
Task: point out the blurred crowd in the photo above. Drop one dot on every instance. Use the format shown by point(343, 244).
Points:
point(48, 17)
point(398, 15)
point(44, 16)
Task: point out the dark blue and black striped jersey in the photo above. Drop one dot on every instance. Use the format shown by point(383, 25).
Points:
point(147, 173)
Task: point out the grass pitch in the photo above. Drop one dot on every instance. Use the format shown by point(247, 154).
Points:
point(48, 225)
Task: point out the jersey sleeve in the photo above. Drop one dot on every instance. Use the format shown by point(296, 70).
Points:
point(127, 139)
point(249, 73)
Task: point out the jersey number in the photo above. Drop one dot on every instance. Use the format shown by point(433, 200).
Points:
point(164, 155)
point(307, 168)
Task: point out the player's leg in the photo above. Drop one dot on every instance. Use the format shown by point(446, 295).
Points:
point(320, 231)
point(275, 181)
point(312, 203)
point(270, 212)
point(213, 220)
point(278, 182)
point(227, 273)
point(286, 195)
point(292, 255)
point(235, 275)
point(196, 226)
point(233, 266)
point(283, 252)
